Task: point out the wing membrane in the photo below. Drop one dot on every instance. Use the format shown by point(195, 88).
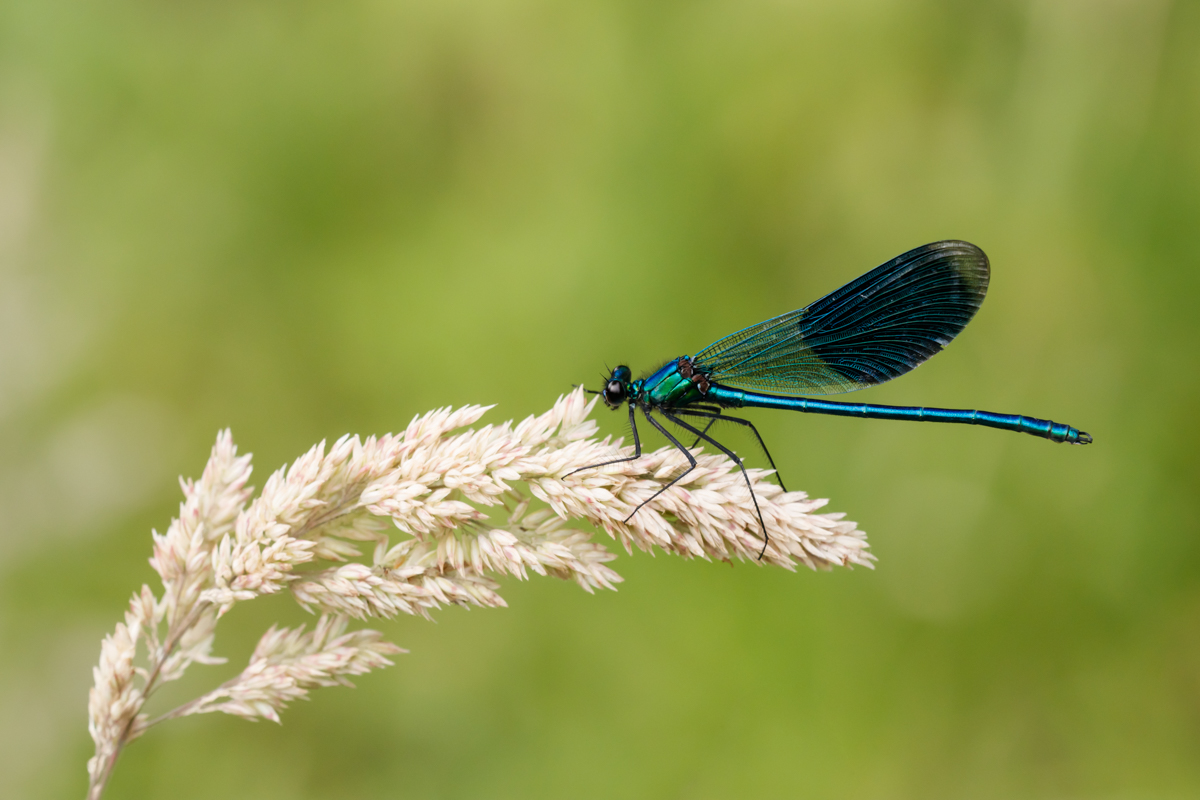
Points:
point(871, 330)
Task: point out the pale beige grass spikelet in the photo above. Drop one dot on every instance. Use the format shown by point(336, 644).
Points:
point(461, 506)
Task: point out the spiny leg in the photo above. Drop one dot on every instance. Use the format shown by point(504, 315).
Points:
point(637, 449)
point(736, 460)
point(691, 461)
point(706, 427)
point(713, 410)
point(689, 412)
point(703, 407)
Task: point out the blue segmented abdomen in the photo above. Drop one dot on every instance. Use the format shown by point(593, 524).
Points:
point(1043, 428)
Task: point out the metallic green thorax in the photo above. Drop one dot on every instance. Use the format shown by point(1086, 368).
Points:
point(667, 388)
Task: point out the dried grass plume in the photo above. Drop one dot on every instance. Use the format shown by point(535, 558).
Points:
point(406, 523)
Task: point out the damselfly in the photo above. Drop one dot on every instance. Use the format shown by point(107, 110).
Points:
point(871, 330)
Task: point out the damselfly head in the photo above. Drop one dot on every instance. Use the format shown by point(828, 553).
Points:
point(615, 391)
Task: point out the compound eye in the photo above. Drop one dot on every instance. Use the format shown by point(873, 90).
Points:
point(614, 393)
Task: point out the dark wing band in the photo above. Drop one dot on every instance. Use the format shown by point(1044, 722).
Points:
point(871, 330)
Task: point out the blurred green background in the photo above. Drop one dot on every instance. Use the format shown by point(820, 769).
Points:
point(301, 219)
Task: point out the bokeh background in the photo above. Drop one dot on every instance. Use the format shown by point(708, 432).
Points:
point(299, 219)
